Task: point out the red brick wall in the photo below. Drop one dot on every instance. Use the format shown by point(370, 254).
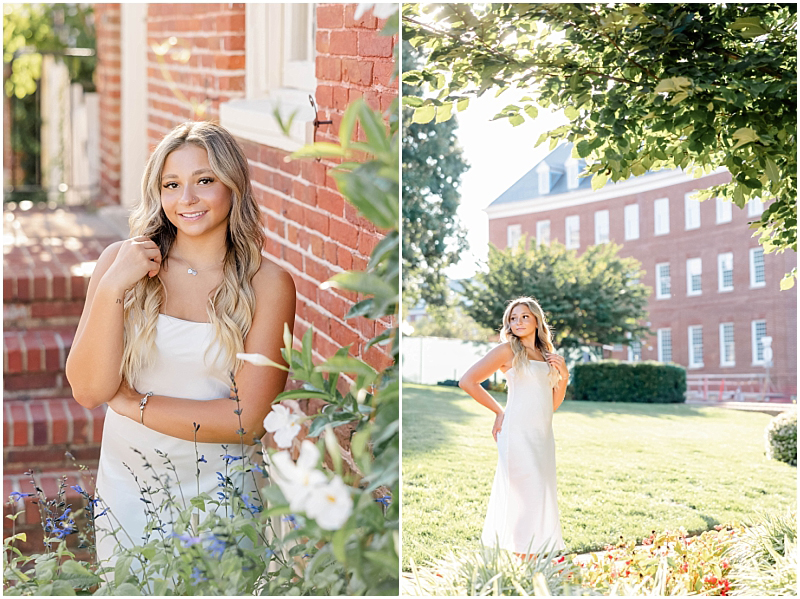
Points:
point(741, 306)
point(311, 230)
point(107, 75)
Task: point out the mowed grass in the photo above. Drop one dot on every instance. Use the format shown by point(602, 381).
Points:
point(623, 470)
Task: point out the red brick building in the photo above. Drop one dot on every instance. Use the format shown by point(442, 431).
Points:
point(715, 294)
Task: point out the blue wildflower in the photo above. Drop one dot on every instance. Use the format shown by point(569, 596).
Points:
point(17, 496)
point(78, 489)
point(231, 458)
point(65, 514)
point(254, 509)
point(186, 539)
point(385, 500)
point(217, 547)
point(203, 459)
point(103, 513)
point(197, 575)
point(291, 520)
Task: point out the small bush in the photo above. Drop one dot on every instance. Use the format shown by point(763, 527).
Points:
point(764, 557)
point(781, 434)
point(448, 383)
point(641, 382)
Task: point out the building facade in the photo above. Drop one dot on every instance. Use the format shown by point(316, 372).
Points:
point(715, 294)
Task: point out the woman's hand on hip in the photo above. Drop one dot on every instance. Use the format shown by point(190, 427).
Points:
point(498, 425)
point(559, 363)
point(137, 257)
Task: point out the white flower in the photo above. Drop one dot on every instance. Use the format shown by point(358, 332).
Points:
point(284, 424)
point(381, 11)
point(330, 505)
point(298, 480)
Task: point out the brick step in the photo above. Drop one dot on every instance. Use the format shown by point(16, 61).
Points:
point(38, 314)
point(38, 433)
point(34, 359)
point(29, 520)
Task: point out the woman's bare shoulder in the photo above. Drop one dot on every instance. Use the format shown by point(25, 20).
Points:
point(273, 279)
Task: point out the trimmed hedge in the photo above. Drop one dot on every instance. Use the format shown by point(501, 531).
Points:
point(640, 382)
point(781, 436)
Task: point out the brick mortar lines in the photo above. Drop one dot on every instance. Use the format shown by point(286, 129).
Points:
point(304, 251)
point(192, 70)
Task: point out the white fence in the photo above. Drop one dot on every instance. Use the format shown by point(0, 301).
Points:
point(428, 360)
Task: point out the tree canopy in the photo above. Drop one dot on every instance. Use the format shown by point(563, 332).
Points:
point(433, 238)
point(646, 87)
point(590, 298)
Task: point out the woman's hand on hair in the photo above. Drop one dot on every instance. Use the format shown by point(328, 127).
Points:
point(137, 258)
point(498, 425)
point(559, 363)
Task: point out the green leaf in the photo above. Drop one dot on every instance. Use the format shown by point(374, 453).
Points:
point(347, 364)
point(787, 282)
point(362, 282)
point(531, 110)
point(516, 119)
point(571, 113)
point(424, 114)
point(743, 136)
point(412, 101)
point(302, 394)
point(772, 171)
point(444, 112)
point(462, 104)
point(599, 180)
point(197, 502)
point(126, 588)
point(348, 123)
point(122, 569)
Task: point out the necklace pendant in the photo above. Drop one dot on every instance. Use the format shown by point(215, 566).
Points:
point(192, 272)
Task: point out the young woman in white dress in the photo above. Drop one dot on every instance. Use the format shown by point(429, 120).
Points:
point(166, 313)
point(523, 510)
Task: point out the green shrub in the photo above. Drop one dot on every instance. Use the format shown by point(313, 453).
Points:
point(781, 434)
point(641, 382)
point(764, 557)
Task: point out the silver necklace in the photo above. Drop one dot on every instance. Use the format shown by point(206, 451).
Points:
point(193, 271)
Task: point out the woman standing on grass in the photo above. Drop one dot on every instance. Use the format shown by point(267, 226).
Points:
point(166, 313)
point(523, 508)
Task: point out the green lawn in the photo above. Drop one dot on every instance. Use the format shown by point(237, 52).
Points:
point(623, 469)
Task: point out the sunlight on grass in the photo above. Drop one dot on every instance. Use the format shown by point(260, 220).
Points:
point(623, 470)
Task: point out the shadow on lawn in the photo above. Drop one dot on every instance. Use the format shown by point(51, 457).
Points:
point(653, 410)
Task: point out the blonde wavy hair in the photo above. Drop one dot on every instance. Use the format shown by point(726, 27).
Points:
point(543, 340)
point(232, 304)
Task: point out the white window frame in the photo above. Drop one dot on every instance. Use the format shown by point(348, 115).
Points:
point(601, 227)
point(695, 360)
point(543, 232)
point(631, 222)
point(296, 73)
point(753, 282)
point(661, 216)
point(754, 341)
point(690, 271)
point(513, 235)
point(572, 166)
point(575, 221)
point(755, 207)
point(543, 172)
point(635, 351)
point(722, 353)
point(691, 212)
point(267, 84)
point(724, 211)
point(660, 334)
point(721, 258)
point(659, 279)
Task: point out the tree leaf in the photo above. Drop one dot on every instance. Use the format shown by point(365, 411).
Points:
point(424, 114)
point(772, 170)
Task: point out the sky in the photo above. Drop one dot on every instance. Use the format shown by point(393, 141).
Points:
point(498, 155)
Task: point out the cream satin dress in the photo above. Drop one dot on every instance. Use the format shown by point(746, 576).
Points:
point(180, 369)
point(523, 508)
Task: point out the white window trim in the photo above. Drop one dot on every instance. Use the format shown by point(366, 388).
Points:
point(631, 355)
point(660, 343)
point(598, 225)
point(543, 172)
point(513, 231)
point(753, 283)
point(568, 241)
point(689, 290)
point(755, 207)
point(722, 361)
point(724, 209)
point(659, 295)
point(660, 202)
point(687, 202)
point(252, 118)
point(539, 230)
point(720, 278)
point(753, 342)
point(631, 232)
point(693, 363)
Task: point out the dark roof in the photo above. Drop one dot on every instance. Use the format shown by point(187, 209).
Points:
point(527, 188)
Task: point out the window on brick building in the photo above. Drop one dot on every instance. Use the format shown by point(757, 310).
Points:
point(664, 337)
point(663, 284)
point(661, 216)
point(755, 207)
point(635, 351)
point(513, 235)
point(601, 227)
point(724, 211)
point(631, 221)
point(543, 232)
point(572, 227)
point(725, 271)
point(758, 330)
point(692, 211)
point(279, 74)
point(758, 276)
point(696, 346)
point(727, 350)
point(694, 276)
